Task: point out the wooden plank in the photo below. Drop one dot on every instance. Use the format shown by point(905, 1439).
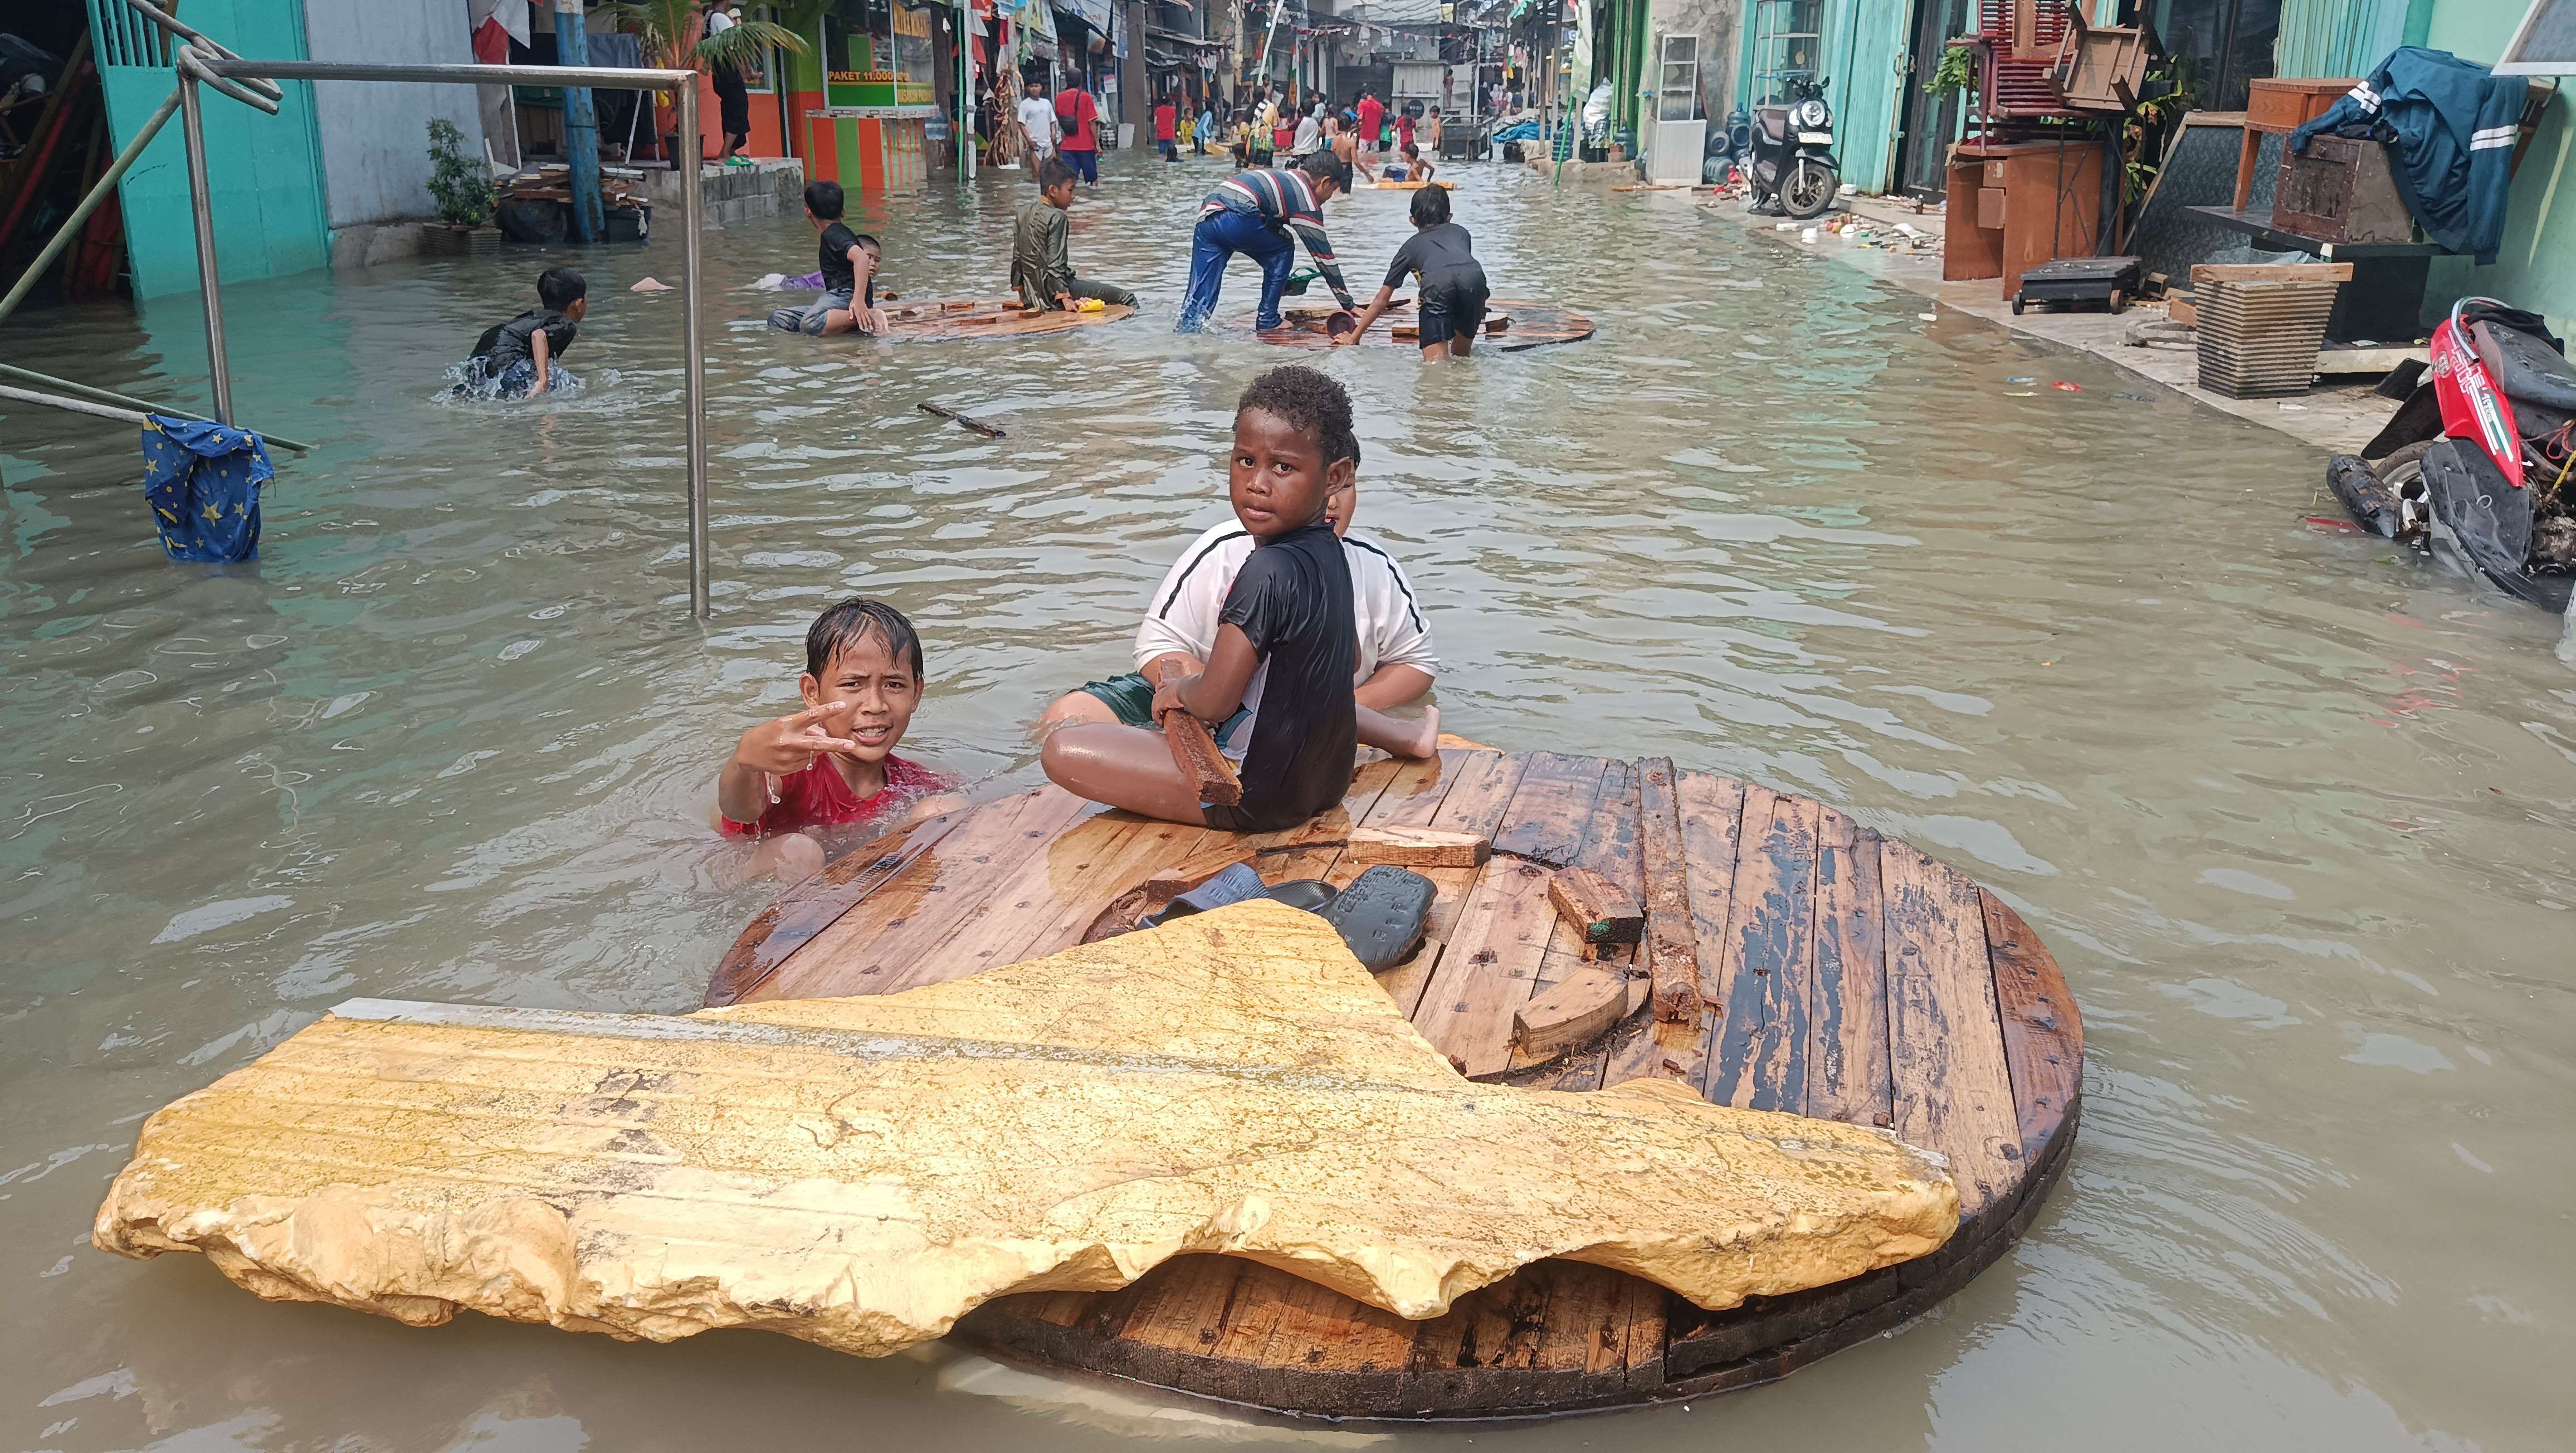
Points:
point(1711, 810)
point(1847, 1075)
point(1668, 952)
point(2043, 1035)
point(1362, 1351)
point(1065, 890)
point(1480, 787)
point(1183, 1306)
point(1546, 820)
point(1583, 1334)
point(1419, 847)
point(1768, 968)
point(861, 953)
point(1051, 875)
point(2270, 272)
point(1946, 1050)
point(1489, 966)
point(872, 871)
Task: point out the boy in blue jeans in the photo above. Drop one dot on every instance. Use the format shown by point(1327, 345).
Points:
point(1253, 214)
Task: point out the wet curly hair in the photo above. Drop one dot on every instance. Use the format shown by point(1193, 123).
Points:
point(1311, 403)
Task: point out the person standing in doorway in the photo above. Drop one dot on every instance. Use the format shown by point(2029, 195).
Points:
point(1371, 113)
point(1079, 116)
point(1037, 122)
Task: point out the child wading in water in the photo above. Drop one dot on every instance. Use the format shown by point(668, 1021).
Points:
point(833, 763)
point(1289, 615)
point(1449, 284)
point(517, 359)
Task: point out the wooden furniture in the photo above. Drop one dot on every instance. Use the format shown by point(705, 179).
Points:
point(2260, 324)
point(2100, 68)
point(1827, 971)
point(2340, 190)
point(2017, 44)
point(2031, 201)
point(2277, 107)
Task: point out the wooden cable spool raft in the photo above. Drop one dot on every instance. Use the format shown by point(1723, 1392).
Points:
point(1387, 186)
point(940, 320)
point(1526, 325)
point(1790, 960)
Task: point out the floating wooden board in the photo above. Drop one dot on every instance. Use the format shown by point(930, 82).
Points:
point(940, 320)
point(1385, 186)
point(1817, 968)
point(1534, 325)
point(1419, 847)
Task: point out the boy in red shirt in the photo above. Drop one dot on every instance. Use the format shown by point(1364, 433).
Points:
point(833, 763)
point(1371, 114)
point(1404, 131)
point(1079, 115)
point(1167, 129)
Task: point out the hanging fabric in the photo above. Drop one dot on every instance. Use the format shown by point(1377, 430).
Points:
point(202, 480)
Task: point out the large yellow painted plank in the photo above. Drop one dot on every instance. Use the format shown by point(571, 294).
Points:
point(862, 1172)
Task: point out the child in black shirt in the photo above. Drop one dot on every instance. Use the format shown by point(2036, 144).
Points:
point(518, 359)
point(1449, 284)
point(1289, 612)
point(849, 262)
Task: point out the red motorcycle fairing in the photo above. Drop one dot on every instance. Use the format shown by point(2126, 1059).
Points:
point(2473, 408)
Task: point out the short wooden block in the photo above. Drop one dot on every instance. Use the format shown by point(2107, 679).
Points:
point(1575, 1010)
point(1419, 847)
point(1600, 910)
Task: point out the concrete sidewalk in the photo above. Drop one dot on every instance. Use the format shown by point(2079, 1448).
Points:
point(2336, 415)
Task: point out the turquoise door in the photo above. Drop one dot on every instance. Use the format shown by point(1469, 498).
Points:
point(264, 171)
point(1865, 50)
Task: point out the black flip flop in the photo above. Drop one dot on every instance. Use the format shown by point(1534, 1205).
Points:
point(1382, 915)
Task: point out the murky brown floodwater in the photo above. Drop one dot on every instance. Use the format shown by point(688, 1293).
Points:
point(2294, 814)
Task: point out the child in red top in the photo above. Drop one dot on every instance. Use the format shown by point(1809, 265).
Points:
point(833, 763)
point(1404, 131)
point(1167, 130)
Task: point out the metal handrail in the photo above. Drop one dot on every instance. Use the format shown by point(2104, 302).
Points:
point(201, 68)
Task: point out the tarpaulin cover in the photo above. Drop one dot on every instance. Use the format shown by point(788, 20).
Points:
point(203, 480)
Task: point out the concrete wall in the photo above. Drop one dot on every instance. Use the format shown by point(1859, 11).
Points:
point(375, 138)
point(2536, 267)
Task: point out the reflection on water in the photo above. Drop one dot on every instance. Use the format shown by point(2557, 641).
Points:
point(2294, 814)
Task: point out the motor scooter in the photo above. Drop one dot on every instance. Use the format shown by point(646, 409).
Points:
point(2475, 466)
point(1789, 166)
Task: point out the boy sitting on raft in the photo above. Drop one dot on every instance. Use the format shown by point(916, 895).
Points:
point(1414, 168)
point(1396, 663)
point(1041, 260)
point(1288, 616)
point(849, 263)
point(516, 359)
point(1449, 284)
point(833, 763)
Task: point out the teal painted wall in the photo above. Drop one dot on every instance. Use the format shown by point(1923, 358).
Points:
point(265, 172)
point(2536, 268)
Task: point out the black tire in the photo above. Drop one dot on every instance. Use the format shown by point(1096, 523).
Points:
point(1808, 189)
point(2119, 301)
point(2016, 307)
point(2406, 466)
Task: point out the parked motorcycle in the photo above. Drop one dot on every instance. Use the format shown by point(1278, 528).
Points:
point(2475, 466)
point(1789, 165)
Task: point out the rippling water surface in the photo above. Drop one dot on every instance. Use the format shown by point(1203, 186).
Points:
point(2293, 814)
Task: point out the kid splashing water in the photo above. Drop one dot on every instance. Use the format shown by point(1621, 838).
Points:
point(520, 358)
point(833, 764)
point(1288, 615)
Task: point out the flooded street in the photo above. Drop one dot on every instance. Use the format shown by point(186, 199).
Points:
point(2294, 813)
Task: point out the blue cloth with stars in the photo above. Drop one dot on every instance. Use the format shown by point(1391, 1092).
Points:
point(202, 480)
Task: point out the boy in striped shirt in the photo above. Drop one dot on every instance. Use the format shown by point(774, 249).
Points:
point(1254, 214)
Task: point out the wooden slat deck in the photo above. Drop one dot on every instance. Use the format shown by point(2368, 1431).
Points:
point(1837, 974)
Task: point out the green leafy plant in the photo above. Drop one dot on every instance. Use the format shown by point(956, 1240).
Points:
point(460, 185)
point(664, 27)
point(1957, 71)
point(2149, 121)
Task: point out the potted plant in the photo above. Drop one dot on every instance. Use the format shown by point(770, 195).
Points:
point(462, 188)
point(671, 35)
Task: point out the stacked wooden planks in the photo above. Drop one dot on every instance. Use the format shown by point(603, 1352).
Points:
point(1795, 961)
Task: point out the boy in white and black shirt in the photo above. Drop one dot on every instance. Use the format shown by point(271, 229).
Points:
point(1396, 664)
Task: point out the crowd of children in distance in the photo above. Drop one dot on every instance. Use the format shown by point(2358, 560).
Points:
point(1291, 634)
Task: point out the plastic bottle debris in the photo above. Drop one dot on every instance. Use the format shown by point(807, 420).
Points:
point(1807, 236)
point(1929, 317)
point(2024, 378)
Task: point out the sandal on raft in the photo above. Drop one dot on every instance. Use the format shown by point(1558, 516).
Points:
point(1381, 916)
